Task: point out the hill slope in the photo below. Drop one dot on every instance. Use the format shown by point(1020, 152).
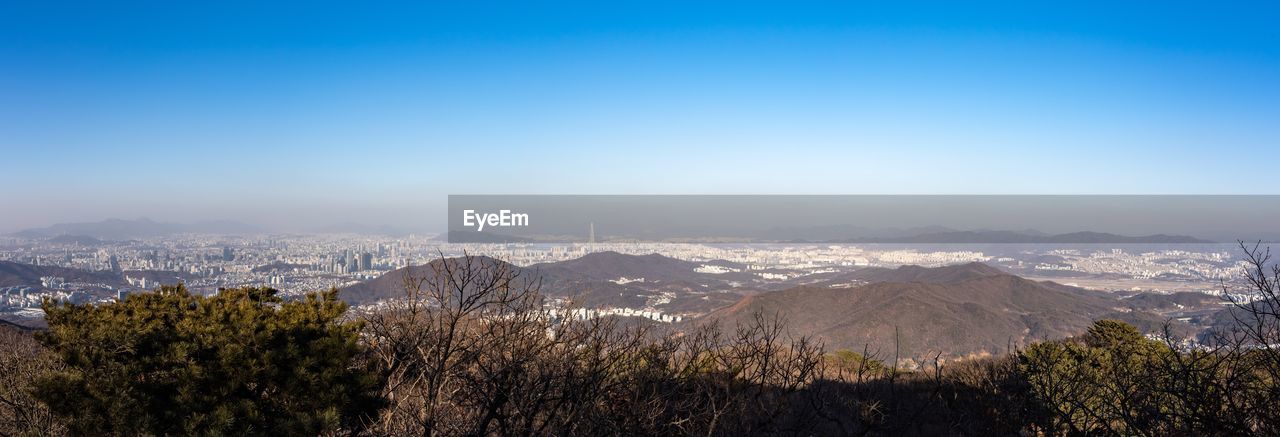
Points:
point(18, 274)
point(669, 284)
point(391, 284)
point(956, 310)
point(913, 273)
point(613, 265)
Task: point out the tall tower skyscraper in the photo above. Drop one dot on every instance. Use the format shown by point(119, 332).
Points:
point(353, 265)
point(591, 239)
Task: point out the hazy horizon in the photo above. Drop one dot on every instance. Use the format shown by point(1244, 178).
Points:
point(764, 218)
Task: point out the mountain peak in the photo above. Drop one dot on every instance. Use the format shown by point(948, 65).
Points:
point(914, 273)
point(143, 227)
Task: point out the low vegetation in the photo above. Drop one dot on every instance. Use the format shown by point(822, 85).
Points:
point(470, 350)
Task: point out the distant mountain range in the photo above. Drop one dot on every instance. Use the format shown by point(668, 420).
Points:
point(119, 229)
point(844, 232)
point(1011, 237)
point(91, 233)
point(943, 235)
point(856, 235)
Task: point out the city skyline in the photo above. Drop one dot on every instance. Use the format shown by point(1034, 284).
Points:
point(296, 115)
point(639, 218)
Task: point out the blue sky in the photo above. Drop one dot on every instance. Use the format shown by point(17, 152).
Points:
point(306, 114)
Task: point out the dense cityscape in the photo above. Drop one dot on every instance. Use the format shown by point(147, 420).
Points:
point(298, 264)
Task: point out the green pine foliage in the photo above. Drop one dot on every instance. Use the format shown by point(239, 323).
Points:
point(240, 362)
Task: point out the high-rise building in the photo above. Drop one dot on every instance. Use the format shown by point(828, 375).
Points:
point(366, 261)
point(227, 254)
point(352, 264)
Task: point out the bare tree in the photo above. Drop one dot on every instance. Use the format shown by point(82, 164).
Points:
point(22, 360)
point(471, 349)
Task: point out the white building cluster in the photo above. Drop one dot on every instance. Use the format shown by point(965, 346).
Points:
point(587, 314)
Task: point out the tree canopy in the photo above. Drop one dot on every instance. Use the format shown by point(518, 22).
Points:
point(242, 361)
